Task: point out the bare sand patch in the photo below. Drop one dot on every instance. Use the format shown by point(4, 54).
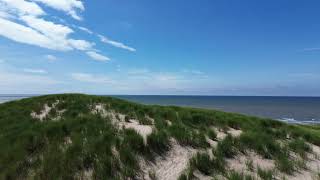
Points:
point(312, 166)
point(100, 109)
point(86, 174)
point(45, 112)
point(170, 166)
point(169, 122)
point(220, 133)
point(239, 163)
point(234, 132)
point(118, 119)
point(211, 142)
point(143, 130)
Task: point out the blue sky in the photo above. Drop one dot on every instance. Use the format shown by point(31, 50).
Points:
point(205, 47)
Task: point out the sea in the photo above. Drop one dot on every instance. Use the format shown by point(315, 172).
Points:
point(302, 110)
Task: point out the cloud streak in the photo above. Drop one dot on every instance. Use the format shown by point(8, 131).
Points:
point(90, 78)
point(142, 80)
point(97, 56)
point(85, 29)
point(115, 43)
point(35, 71)
point(311, 49)
point(51, 57)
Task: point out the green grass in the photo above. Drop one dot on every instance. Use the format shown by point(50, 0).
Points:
point(260, 142)
point(249, 165)
point(203, 163)
point(238, 176)
point(299, 146)
point(265, 174)
point(158, 142)
point(227, 147)
point(28, 145)
point(212, 134)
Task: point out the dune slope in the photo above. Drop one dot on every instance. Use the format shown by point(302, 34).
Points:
point(75, 136)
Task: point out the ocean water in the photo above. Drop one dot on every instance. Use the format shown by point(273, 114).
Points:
point(304, 110)
point(290, 109)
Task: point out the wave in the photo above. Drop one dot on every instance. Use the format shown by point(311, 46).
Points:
point(296, 121)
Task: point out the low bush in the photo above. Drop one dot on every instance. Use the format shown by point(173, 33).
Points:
point(212, 134)
point(227, 147)
point(203, 163)
point(133, 140)
point(158, 141)
point(265, 174)
point(260, 142)
point(233, 175)
point(299, 146)
point(284, 164)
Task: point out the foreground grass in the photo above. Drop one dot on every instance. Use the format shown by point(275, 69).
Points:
point(82, 142)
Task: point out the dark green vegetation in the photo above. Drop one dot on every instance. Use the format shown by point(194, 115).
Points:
point(81, 141)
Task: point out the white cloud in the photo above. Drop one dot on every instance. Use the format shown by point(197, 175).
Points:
point(57, 33)
point(115, 43)
point(27, 35)
point(80, 44)
point(21, 7)
point(68, 6)
point(47, 28)
point(90, 78)
point(50, 57)
point(35, 71)
point(45, 34)
point(97, 56)
point(85, 30)
point(24, 21)
point(194, 72)
point(4, 14)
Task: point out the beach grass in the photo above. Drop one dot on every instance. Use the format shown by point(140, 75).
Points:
point(81, 141)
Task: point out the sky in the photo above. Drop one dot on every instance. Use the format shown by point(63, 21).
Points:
point(167, 47)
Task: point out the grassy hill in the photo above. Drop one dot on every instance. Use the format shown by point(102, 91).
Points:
point(74, 136)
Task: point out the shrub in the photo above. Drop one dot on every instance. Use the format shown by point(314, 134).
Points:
point(265, 174)
point(145, 121)
point(226, 147)
point(219, 163)
point(249, 164)
point(130, 165)
point(198, 139)
point(127, 119)
point(158, 142)
point(181, 133)
point(260, 142)
point(212, 134)
point(299, 146)
point(284, 164)
point(133, 140)
point(203, 163)
point(233, 175)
